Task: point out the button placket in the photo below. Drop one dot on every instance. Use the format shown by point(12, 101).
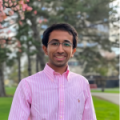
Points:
point(61, 98)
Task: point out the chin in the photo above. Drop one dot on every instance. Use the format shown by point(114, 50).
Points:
point(60, 64)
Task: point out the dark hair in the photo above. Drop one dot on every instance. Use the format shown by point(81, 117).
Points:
point(60, 26)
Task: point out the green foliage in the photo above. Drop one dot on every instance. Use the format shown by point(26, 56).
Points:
point(25, 70)
point(84, 15)
point(3, 54)
point(13, 75)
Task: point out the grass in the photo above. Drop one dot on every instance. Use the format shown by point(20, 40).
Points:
point(104, 110)
point(5, 104)
point(10, 90)
point(107, 90)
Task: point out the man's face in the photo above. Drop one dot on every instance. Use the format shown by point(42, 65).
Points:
point(59, 55)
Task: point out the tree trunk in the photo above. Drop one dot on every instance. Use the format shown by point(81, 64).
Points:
point(36, 36)
point(29, 59)
point(19, 68)
point(2, 87)
point(103, 84)
point(29, 65)
point(37, 68)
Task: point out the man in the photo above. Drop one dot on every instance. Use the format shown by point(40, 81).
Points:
point(54, 93)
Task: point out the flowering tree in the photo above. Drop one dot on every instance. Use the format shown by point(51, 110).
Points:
point(30, 31)
point(9, 8)
point(15, 6)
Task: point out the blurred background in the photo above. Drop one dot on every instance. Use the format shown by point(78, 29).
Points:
point(97, 22)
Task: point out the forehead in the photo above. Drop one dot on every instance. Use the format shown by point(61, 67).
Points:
point(60, 35)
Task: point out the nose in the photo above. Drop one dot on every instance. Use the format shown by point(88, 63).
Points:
point(60, 48)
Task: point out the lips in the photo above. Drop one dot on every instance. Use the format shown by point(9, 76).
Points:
point(59, 58)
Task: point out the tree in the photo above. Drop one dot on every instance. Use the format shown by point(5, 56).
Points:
point(91, 20)
point(88, 17)
point(33, 22)
point(17, 6)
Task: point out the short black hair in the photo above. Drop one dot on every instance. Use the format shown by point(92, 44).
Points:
point(60, 26)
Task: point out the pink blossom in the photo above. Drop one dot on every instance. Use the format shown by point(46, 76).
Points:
point(9, 38)
point(1, 2)
point(4, 8)
point(10, 4)
point(1, 8)
point(24, 6)
point(18, 44)
point(29, 8)
point(1, 5)
point(1, 26)
point(15, 3)
point(18, 7)
point(11, 12)
point(2, 16)
point(6, 4)
point(20, 50)
point(1, 19)
point(45, 20)
point(20, 23)
point(22, 17)
point(35, 12)
point(21, 2)
point(2, 41)
point(27, 0)
point(8, 32)
point(12, 8)
point(40, 21)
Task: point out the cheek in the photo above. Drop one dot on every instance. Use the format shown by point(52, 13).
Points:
point(49, 51)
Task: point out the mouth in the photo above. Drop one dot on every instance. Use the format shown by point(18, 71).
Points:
point(60, 58)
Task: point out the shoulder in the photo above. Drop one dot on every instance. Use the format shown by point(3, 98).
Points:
point(31, 80)
point(34, 76)
point(78, 77)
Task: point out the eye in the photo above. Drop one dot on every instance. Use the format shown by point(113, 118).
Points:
point(55, 43)
point(67, 44)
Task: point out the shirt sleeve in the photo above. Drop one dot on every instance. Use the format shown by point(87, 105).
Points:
point(20, 108)
point(89, 112)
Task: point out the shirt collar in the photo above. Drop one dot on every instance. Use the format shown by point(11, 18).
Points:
point(50, 72)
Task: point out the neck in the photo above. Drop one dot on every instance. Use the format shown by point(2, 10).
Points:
point(60, 70)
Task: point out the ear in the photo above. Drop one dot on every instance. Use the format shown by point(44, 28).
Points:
point(74, 50)
point(45, 49)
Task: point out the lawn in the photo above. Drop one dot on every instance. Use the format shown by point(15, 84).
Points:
point(104, 110)
point(10, 90)
point(5, 104)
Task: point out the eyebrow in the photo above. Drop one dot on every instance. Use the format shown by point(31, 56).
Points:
point(58, 40)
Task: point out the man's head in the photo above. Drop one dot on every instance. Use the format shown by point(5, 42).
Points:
point(63, 27)
point(59, 43)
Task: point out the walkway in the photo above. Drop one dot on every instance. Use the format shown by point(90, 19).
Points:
point(112, 97)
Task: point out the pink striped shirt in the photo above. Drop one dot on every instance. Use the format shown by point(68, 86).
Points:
point(48, 95)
